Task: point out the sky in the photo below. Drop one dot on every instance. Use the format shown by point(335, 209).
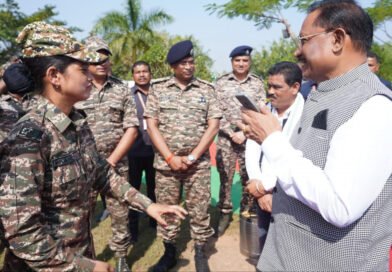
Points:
point(217, 36)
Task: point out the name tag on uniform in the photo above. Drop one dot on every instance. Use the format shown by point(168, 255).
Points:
point(144, 124)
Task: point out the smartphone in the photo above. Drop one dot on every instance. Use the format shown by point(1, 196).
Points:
point(247, 102)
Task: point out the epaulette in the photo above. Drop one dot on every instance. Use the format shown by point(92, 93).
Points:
point(159, 80)
point(116, 80)
point(222, 76)
point(206, 82)
point(255, 76)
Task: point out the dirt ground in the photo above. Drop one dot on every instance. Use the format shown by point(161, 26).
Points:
point(224, 254)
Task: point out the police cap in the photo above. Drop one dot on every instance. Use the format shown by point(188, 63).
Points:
point(243, 50)
point(180, 51)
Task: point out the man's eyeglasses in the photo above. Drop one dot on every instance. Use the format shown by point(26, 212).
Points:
point(304, 39)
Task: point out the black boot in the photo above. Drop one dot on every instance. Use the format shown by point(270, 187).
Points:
point(224, 222)
point(168, 260)
point(201, 261)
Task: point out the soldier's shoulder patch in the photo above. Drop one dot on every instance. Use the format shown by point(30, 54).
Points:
point(29, 131)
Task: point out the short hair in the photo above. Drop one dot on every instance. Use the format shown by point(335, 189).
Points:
point(371, 54)
point(348, 15)
point(141, 62)
point(289, 70)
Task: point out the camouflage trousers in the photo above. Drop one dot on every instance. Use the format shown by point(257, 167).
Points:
point(196, 186)
point(121, 237)
point(227, 154)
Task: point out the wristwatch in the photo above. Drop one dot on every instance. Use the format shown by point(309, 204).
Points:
point(191, 158)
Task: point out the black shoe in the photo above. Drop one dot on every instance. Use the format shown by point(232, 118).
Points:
point(201, 261)
point(224, 222)
point(168, 260)
point(122, 265)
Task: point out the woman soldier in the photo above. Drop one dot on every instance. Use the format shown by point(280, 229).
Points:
point(50, 163)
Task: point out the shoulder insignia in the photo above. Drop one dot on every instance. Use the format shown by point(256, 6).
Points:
point(116, 80)
point(255, 76)
point(30, 133)
point(162, 79)
point(206, 82)
point(222, 76)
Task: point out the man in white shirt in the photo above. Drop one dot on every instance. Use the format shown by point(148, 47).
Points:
point(284, 83)
point(286, 103)
point(332, 209)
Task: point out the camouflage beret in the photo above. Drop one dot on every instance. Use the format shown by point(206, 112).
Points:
point(40, 39)
point(96, 44)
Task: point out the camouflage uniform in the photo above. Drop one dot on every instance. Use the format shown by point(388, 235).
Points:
point(11, 110)
point(110, 111)
point(183, 118)
point(229, 152)
point(51, 166)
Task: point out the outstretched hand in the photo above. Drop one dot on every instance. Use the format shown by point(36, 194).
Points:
point(156, 210)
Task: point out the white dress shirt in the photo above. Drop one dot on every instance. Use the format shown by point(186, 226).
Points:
point(265, 171)
point(359, 162)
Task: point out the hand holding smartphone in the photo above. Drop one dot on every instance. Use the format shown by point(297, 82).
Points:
point(247, 102)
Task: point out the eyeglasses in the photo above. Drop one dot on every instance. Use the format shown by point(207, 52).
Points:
point(305, 39)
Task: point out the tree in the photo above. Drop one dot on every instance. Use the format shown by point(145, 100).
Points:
point(381, 14)
point(12, 21)
point(263, 13)
point(282, 50)
point(384, 51)
point(129, 34)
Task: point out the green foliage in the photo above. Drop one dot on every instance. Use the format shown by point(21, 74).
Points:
point(131, 37)
point(282, 50)
point(12, 21)
point(130, 34)
point(263, 13)
point(384, 51)
point(381, 11)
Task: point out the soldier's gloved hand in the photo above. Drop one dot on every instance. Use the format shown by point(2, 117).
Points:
point(177, 164)
point(102, 267)
point(156, 210)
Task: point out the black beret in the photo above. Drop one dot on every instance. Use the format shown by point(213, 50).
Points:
point(180, 51)
point(243, 50)
point(18, 79)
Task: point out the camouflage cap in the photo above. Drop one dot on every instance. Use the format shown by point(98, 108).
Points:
point(95, 43)
point(40, 39)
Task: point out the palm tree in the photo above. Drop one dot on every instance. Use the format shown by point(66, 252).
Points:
point(129, 34)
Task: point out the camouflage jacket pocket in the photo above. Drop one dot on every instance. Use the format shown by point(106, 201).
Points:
point(68, 176)
point(167, 113)
point(116, 113)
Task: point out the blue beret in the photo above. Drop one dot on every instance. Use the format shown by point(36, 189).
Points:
point(243, 50)
point(180, 51)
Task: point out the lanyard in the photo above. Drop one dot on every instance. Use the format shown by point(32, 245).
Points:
point(141, 101)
